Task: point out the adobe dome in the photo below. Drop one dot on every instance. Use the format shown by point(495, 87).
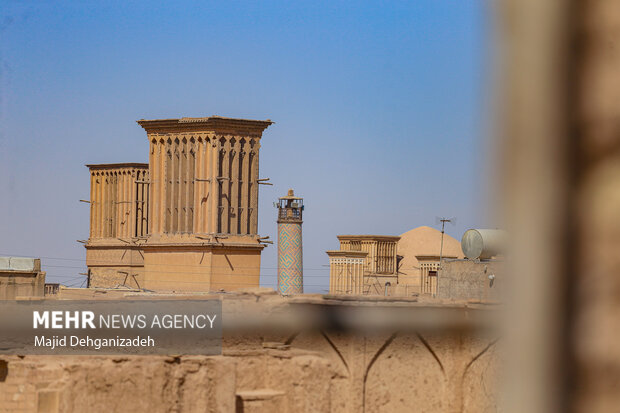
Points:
point(425, 241)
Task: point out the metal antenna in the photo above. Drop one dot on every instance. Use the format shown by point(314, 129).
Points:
point(443, 221)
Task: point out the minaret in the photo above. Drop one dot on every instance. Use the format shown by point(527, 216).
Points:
point(290, 253)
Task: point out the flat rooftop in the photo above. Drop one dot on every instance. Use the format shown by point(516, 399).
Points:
point(208, 122)
point(370, 237)
point(117, 165)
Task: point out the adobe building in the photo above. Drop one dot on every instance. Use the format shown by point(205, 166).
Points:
point(118, 223)
point(388, 265)
point(365, 264)
point(21, 278)
point(346, 272)
point(421, 249)
point(187, 220)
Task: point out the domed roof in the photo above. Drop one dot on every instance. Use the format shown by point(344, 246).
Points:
point(425, 241)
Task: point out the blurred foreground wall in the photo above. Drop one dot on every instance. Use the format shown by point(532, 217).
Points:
point(308, 354)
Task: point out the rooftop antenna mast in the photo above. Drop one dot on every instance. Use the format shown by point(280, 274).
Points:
point(443, 221)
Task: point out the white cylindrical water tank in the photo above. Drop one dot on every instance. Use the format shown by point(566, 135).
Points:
point(483, 243)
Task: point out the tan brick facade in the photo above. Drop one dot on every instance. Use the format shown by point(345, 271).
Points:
point(187, 220)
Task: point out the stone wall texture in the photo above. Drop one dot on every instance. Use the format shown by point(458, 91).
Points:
point(470, 280)
point(277, 368)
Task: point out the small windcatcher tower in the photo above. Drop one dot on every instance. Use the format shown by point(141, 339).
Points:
point(290, 253)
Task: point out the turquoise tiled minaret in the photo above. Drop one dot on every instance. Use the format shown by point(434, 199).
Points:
point(290, 251)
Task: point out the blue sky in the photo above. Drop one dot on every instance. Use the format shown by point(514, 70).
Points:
point(378, 109)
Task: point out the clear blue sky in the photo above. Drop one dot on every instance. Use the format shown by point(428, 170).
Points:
point(378, 109)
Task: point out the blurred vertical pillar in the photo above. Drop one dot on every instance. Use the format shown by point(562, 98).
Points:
point(596, 122)
point(533, 78)
point(559, 72)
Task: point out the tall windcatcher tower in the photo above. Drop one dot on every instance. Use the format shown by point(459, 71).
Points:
point(203, 204)
point(290, 253)
point(187, 220)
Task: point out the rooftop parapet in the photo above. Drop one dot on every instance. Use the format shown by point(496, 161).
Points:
point(20, 264)
point(219, 123)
